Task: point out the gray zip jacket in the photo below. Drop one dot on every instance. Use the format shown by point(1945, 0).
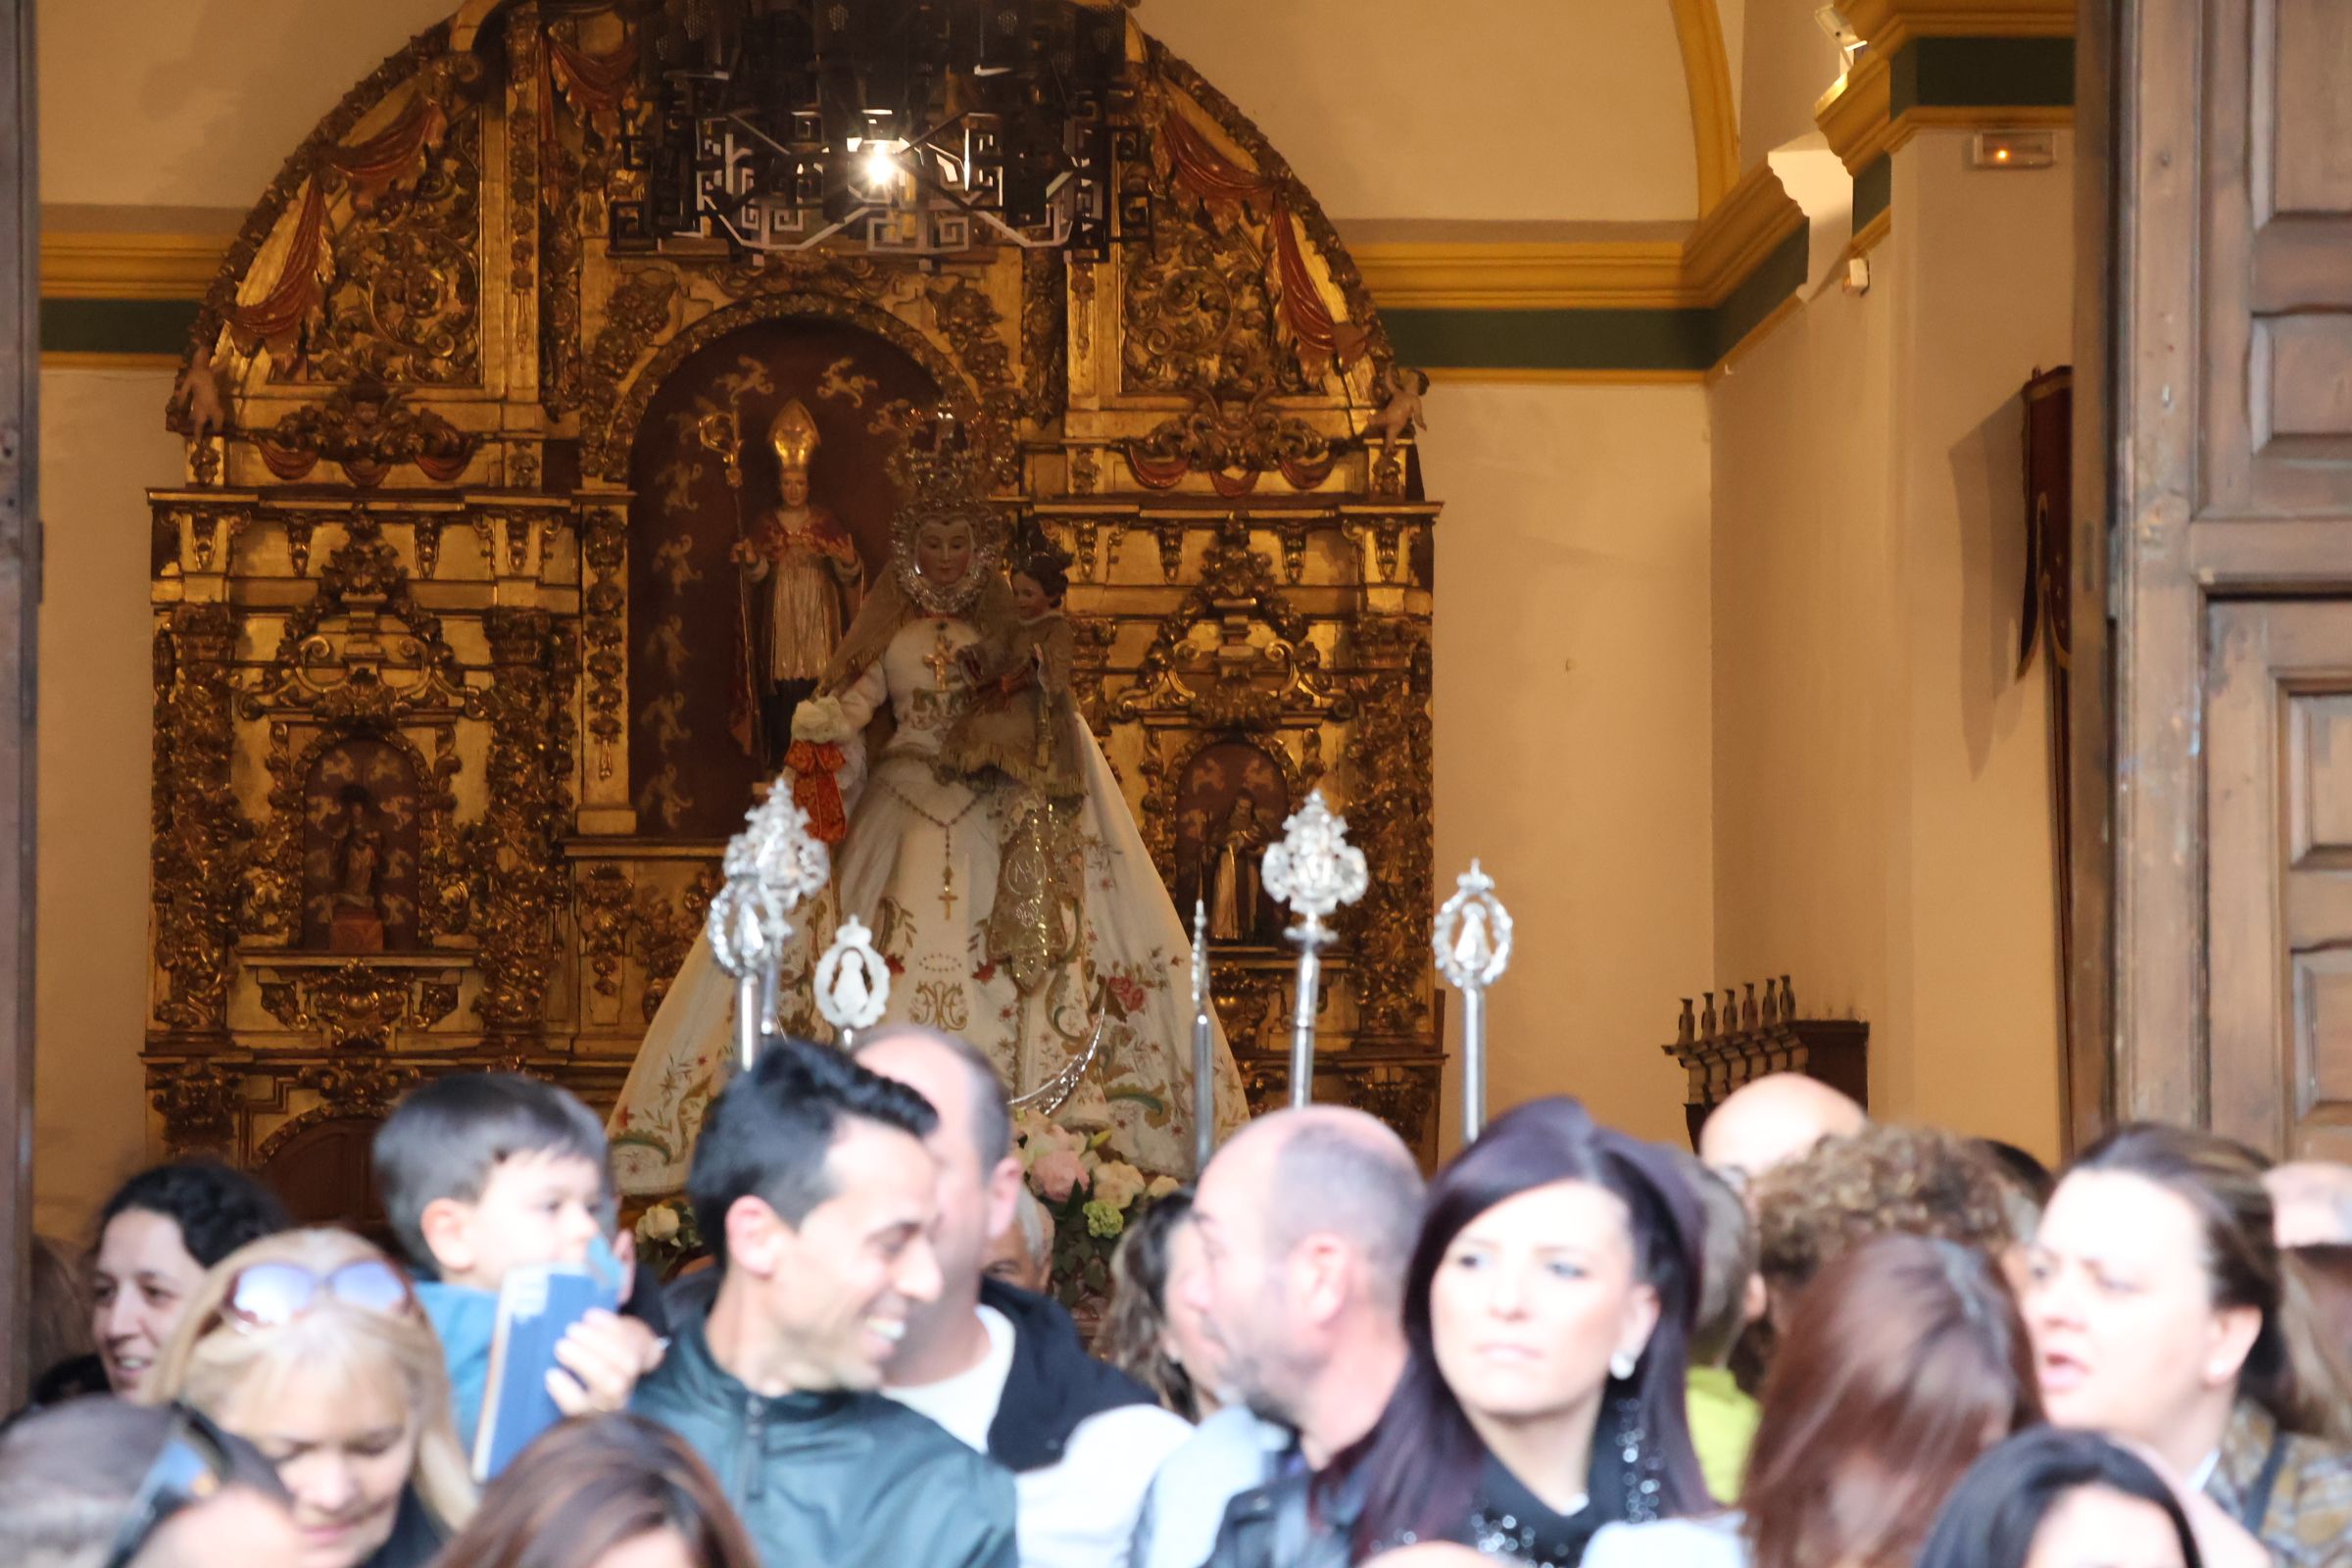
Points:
point(842, 1480)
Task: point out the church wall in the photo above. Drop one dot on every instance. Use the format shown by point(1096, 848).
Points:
point(1989, 286)
point(1783, 61)
point(1570, 715)
point(1880, 808)
point(102, 443)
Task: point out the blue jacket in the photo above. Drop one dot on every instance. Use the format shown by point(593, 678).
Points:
point(466, 1319)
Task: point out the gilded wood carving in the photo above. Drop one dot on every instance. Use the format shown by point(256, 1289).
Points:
point(405, 602)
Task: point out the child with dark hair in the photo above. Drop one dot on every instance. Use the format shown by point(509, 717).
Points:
point(482, 1174)
point(156, 1237)
point(1022, 716)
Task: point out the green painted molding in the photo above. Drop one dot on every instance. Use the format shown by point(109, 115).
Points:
point(1981, 74)
point(132, 327)
point(1873, 190)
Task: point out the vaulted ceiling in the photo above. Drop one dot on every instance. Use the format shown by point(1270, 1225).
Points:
point(1534, 112)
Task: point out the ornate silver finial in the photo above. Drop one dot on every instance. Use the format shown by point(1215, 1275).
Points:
point(1314, 870)
point(772, 867)
point(853, 983)
point(1472, 942)
point(1204, 1047)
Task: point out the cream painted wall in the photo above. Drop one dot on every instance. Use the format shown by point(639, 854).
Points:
point(196, 102)
point(1571, 721)
point(1989, 278)
point(1474, 109)
point(1881, 822)
point(103, 442)
point(1482, 109)
point(1783, 65)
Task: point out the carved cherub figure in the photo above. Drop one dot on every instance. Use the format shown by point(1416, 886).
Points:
point(673, 564)
point(664, 796)
point(1401, 414)
point(665, 715)
point(665, 646)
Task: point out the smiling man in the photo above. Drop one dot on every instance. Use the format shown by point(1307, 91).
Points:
point(812, 1182)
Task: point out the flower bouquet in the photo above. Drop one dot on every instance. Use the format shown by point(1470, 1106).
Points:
point(1091, 1199)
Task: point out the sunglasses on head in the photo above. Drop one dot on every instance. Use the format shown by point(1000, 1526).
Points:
point(193, 1466)
point(270, 1296)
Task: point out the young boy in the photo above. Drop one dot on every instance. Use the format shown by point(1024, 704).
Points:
point(485, 1173)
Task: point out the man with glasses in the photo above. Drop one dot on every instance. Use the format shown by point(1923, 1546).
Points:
point(104, 1484)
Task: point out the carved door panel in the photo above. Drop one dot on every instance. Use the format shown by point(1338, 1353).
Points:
point(2233, 472)
point(2279, 803)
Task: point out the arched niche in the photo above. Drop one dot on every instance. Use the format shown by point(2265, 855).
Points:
point(692, 623)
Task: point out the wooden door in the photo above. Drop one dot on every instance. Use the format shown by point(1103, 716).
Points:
point(2232, 566)
point(2278, 827)
point(20, 580)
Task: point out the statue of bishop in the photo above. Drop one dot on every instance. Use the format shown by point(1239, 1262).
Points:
point(805, 578)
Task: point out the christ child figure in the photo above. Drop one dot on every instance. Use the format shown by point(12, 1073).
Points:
point(1022, 717)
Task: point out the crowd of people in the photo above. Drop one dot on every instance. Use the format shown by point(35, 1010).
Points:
point(1819, 1343)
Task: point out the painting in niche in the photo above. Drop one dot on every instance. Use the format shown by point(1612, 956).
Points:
point(734, 594)
point(358, 849)
point(1230, 804)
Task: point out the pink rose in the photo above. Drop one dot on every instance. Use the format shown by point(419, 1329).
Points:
point(1127, 992)
point(1055, 1173)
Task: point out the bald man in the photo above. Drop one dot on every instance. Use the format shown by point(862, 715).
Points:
point(2313, 1200)
point(1306, 1220)
point(1002, 1368)
point(1771, 1121)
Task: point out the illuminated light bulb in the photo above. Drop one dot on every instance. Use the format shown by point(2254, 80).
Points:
point(880, 167)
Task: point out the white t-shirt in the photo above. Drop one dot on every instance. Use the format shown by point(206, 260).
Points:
point(1079, 1512)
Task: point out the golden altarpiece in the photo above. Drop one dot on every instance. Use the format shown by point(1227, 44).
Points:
point(446, 739)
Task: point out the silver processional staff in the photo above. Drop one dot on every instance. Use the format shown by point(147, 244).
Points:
point(1472, 942)
point(1314, 870)
point(772, 867)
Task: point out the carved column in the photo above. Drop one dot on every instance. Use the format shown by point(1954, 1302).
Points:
point(1389, 815)
point(604, 625)
point(200, 835)
point(514, 849)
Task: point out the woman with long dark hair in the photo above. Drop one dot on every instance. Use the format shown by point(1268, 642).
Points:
point(2163, 1314)
point(1548, 1312)
point(2052, 1498)
point(1901, 1362)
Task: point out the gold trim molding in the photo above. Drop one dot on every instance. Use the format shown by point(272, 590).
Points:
point(98, 266)
point(1888, 25)
point(1714, 114)
point(1456, 275)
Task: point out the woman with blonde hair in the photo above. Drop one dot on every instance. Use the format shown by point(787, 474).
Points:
point(310, 1346)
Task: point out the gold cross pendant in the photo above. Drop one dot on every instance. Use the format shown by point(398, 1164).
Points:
point(941, 658)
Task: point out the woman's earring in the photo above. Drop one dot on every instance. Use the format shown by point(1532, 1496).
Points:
point(1621, 1365)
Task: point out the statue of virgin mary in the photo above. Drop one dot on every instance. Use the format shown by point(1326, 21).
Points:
point(1038, 929)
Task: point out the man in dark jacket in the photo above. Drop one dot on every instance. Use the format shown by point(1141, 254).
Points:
point(998, 1367)
point(813, 1183)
